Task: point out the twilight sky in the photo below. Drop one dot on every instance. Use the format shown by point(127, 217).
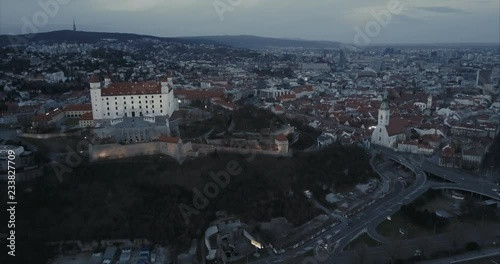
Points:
point(416, 21)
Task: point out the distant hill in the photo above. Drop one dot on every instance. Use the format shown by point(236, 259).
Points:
point(88, 37)
point(243, 41)
point(254, 42)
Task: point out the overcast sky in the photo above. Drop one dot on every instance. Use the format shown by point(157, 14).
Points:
point(419, 21)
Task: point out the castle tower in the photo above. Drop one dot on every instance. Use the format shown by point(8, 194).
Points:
point(107, 80)
point(165, 86)
point(95, 97)
point(384, 111)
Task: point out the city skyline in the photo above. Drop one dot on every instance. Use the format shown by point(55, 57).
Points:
point(422, 22)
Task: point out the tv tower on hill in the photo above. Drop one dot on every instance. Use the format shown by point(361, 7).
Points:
point(74, 25)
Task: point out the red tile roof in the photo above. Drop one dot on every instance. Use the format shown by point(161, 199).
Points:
point(115, 89)
point(87, 116)
point(397, 126)
point(286, 97)
point(94, 79)
point(281, 138)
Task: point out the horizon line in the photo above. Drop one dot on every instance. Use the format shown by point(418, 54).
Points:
point(282, 38)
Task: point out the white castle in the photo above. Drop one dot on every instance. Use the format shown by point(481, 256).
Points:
point(117, 100)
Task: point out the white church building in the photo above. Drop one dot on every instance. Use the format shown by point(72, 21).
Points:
point(388, 130)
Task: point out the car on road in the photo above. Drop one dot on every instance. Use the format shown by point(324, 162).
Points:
point(494, 190)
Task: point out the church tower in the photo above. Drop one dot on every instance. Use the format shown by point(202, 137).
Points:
point(384, 111)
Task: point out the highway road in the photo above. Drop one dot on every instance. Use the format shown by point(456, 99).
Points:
point(337, 238)
point(462, 180)
point(371, 228)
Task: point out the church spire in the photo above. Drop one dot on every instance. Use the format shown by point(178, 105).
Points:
point(385, 102)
